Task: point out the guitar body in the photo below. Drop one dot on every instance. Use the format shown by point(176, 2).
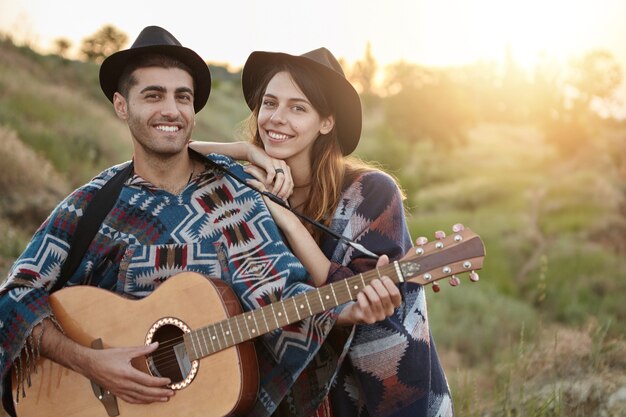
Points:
point(225, 383)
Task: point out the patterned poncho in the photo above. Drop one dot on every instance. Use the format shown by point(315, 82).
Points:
point(392, 368)
point(216, 226)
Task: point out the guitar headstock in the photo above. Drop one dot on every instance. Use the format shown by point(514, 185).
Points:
point(447, 256)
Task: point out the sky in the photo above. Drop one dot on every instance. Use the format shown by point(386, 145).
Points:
point(427, 32)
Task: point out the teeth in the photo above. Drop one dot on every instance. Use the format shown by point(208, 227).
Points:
point(167, 128)
point(277, 136)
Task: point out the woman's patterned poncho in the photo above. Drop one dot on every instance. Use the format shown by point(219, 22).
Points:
point(392, 368)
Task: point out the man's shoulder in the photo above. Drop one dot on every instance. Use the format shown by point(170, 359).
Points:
point(97, 182)
point(109, 173)
point(227, 163)
point(222, 160)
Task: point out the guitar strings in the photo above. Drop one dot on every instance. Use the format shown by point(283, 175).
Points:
point(163, 358)
point(163, 351)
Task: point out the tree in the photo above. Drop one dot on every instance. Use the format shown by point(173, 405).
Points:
point(402, 75)
point(427, 105)
point(574, 123)
point(103, 43)
point(364, 71)
point(596, 75)
point(62, 45)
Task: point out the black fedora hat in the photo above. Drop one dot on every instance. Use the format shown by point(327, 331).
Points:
point(345, 99)
point(154, 39)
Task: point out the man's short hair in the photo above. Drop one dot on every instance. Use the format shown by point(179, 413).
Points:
point(127, 80)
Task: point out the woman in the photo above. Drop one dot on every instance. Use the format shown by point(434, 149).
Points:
point(305, 113)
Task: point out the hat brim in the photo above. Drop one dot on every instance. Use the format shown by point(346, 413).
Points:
point(346, 101)
point(113, 66)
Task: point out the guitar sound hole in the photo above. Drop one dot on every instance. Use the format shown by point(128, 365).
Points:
point(171, 359)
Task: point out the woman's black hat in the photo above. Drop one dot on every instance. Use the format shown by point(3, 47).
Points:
point(347, 105)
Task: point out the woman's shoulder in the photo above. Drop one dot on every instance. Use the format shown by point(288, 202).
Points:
point(374, 180)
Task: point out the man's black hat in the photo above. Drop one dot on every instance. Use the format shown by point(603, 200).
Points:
point(154, 39)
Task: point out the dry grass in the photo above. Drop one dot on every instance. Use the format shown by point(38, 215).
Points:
point(580, 368)
point(20, 165)
point(29, 185)
point(563, 372)
point(29, 189)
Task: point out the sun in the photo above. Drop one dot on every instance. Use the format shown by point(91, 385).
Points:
point(531, 29)
point(457, 32)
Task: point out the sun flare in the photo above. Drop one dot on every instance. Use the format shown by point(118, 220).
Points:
point(457, 32)
point(531, 29)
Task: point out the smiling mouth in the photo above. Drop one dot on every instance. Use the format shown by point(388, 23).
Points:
point(167, 129)
point(280, 137)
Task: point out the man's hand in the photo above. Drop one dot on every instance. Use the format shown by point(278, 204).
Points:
point(375, 302)
point(111, 369)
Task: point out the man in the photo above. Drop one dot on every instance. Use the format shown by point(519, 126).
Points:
point(177, 212)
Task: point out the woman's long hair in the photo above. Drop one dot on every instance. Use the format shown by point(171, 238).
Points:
point(330, 170)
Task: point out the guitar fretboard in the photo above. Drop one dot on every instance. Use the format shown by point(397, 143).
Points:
point(240, 328)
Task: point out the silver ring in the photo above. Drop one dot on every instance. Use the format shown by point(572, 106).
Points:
point(279, 171)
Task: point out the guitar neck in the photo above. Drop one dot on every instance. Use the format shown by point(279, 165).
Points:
point(240, 328)
point(455, 258)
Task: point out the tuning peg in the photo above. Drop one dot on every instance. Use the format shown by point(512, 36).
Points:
point(436, 287)
point(473, 276)
point(458, 228)
point(454, 280)
point(420, 241)
point(439, 235)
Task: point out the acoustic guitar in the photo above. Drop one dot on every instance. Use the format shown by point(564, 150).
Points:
point(205, 340)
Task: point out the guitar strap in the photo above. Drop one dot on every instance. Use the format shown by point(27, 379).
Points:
point(88, 225)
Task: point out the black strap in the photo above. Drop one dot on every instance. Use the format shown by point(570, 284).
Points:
point(88, 225)
point(7, 397)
